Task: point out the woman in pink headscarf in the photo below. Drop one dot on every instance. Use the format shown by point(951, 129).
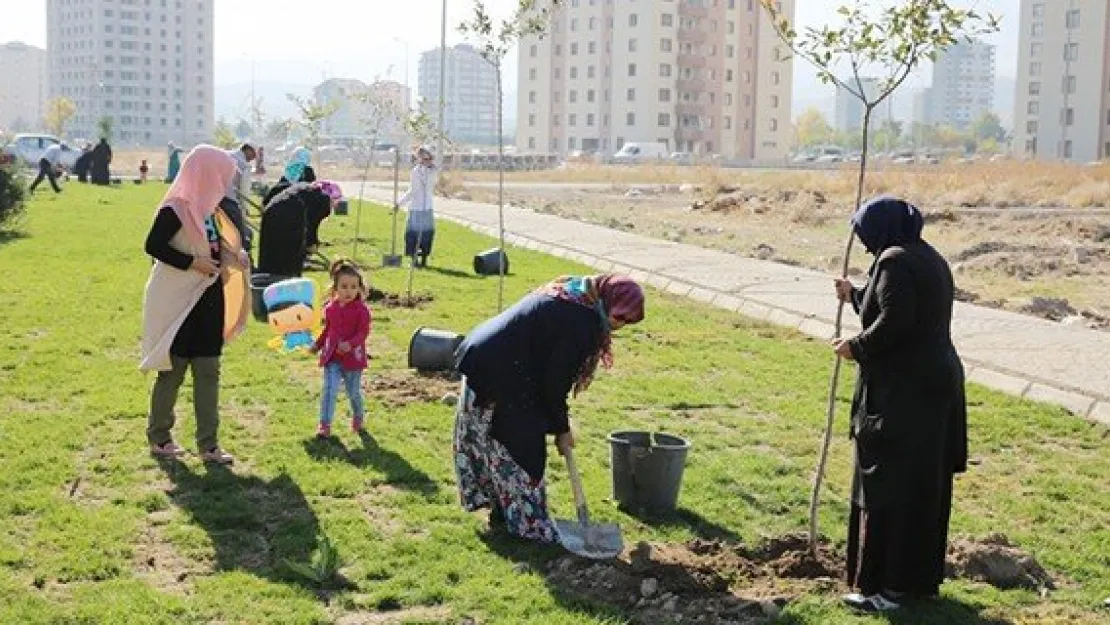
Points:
point(195, 300)
point(519, 368)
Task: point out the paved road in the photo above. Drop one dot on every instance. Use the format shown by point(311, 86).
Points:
point(1014, 353)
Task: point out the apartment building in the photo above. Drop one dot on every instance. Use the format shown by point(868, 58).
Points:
point(470, 113)
point(362, 109)
point(147, 65)
point(1062, 103)
point(700, 76)
point(22, 87)
point(849, 107)
point(963, 84)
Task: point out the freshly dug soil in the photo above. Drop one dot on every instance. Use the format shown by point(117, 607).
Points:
point(996, 561)
point(398, 300)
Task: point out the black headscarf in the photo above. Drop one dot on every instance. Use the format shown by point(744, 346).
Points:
point(887, 221)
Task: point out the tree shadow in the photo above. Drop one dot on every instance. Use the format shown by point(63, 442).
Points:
point(398, 471)
point(10, 236)
point(926, 612)
point(684, 518)
point(255, 525)
point(453, 273)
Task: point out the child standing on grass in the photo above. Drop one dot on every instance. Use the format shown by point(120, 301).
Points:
point(342, 344)
point(143, 169)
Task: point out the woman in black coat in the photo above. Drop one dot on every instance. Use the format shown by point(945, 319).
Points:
point(519, 368)
point(101, 159)
point(909, 414)
point(290, 225)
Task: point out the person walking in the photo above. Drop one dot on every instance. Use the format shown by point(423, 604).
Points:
point(47, 164)
point(420, 227)
point(909, 412)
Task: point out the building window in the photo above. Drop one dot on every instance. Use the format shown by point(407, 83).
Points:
point(1071, 52)
point(593, 23)
point(728, 123)
point(1038, 9)
point(633, 20)
point(1035, 49)
point(574, 24)
point(1067, 149)
point(555, 120)
point(534, 51)
point(631, 45)
point(1069, 84)
point(590, 95)
point(774, 101)
point(531, 97)
point(667, 19)
point(664, 95)
point(1037, 29)
point(728, 75)
point(532, 120)
point(590, 120)
point(775, 78)
point(572, 143)
point(665, 120)
point(1031, 127)
point(593, 47)
point(1034, 88)
point(631, 95)
point(573, 73)
point(631, 69)
point(664, 70)
point(558, 50)
point(532, 74)
point(1035, 68)
point(1031, 147)
point(1067, 116)
point(1034, 108)
point(531, 143)
point(572, 96)
point(774, 124)
point(630, 119)
point(572, 120)
point(1072, 19)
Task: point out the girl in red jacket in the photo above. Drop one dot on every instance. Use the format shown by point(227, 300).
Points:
point(342, 344)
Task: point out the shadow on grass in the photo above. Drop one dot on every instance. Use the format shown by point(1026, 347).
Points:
point(687, 519)
point(398, 472)
point(453, 273)
point(943, 611)
point(9, 236)
point(537, 557)
point(255, 525)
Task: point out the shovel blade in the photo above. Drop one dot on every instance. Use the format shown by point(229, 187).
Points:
point(597, 541)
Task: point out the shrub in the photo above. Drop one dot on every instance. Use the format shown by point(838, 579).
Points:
point(12, 196)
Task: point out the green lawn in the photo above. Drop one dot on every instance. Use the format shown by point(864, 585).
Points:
point(92, 530)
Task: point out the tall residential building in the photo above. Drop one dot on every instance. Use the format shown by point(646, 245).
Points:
point(923, 107)
point(470, 114)
point(147, 65)
point(22, 87)
point(697, 76)
point(963, 84)
point(1062, 101)
point(363, 109)
point(849, 107)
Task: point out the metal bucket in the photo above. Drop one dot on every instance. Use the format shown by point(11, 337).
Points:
point(433, 350)
point(259, 282)
point(647, 470)
point(488, 262)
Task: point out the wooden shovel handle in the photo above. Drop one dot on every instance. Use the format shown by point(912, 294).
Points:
point(576, 487)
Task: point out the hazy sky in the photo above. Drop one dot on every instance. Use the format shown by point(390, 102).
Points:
point(293, 41)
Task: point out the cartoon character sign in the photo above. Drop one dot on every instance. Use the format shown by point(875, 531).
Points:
point(290, 309)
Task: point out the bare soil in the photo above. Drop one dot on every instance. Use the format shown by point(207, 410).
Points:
point(400, 387)
point(399, 300)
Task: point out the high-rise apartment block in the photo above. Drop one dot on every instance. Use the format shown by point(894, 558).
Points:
point(700, 76)
point(1062, 103)
point(963, 84)
point(378, 109)
point(22, 86)
point(147, 65)
point(470, 111)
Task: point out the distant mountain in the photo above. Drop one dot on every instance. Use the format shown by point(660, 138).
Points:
point(233, 100)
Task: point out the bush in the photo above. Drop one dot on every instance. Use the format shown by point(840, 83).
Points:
point(12, 196)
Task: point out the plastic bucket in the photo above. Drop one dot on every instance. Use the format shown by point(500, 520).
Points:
point(259, 282)
point(488, 262)
point(647, 469)
point(433, 350)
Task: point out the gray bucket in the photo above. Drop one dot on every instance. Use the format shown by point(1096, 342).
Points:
point(259, 282)
point(647, 470)
point(433, 350)
point(488, 262)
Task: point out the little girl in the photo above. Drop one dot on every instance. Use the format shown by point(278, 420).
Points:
point(342, 344)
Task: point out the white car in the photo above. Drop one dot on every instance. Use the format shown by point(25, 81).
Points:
point(29, 149)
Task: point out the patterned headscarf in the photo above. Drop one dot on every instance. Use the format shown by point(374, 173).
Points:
point(300, 159)
point(608, 295)
point(329, 188)
point(194, 195)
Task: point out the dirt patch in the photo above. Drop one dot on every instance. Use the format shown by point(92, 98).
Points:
point(155, 560)
point(707, 581)
point(419, 614)
point(998, 562)
point(400, 387)
point(399, 300)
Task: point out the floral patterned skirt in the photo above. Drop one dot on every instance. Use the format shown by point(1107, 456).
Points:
point(488, 475)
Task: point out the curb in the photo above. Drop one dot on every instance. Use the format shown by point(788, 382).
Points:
point(1092, 408)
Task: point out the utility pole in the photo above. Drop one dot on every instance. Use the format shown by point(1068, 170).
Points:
point(442, 80)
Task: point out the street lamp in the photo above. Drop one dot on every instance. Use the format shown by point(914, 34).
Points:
point(442, 79)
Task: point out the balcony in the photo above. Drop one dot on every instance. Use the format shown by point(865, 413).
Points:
point(692, 108)
point(691, 85)
point(697, 61)
point(692, 134)
point(693, 35)
point(692, 9)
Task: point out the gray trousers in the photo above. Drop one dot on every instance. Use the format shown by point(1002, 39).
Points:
point(206, 397)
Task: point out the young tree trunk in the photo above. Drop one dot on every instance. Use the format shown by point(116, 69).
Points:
point(500, 196)
point(822, 463)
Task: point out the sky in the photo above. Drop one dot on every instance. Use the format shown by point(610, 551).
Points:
point(356, 39)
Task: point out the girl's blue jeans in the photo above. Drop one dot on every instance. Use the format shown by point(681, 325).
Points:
point(334, 377)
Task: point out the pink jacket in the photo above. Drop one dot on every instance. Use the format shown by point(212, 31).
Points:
point(345, 322)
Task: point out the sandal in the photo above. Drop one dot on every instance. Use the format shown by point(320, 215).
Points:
point(168, 449)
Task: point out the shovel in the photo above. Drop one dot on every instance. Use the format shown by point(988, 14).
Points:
point(598, 541)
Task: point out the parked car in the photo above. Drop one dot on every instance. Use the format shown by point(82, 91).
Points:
point(28, 150)
point(640, 153)
point(682, 158)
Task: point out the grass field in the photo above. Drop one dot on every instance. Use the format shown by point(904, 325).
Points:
point(92, 530)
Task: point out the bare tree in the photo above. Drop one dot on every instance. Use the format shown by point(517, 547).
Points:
point(889, 41)
point(312, 117)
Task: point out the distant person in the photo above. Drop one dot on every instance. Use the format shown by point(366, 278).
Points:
point(519, 368)
point(342, 345)
point(101, 159)
point(143, 170)
point(84, 163)
point(238, 188)
point(48, 163)
point(909, 413)
point(289, 229)
point(196, 299)
point(298, 169)
point(420, 227)
point(173, 164)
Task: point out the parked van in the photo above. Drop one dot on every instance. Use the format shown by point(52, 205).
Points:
point(641, 152)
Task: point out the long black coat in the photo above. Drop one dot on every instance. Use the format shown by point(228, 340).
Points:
point(101, 159)
point(289, 226)
point(909, 413)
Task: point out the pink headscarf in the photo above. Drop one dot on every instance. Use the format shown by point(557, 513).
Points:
point(329, 188)
point(205, 175)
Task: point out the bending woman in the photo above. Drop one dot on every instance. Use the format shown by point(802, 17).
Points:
point(519, 368)
point(909, 415)
point(290, 226)
point(298, 169)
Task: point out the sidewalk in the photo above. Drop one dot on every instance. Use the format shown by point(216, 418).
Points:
point(1013, 353)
